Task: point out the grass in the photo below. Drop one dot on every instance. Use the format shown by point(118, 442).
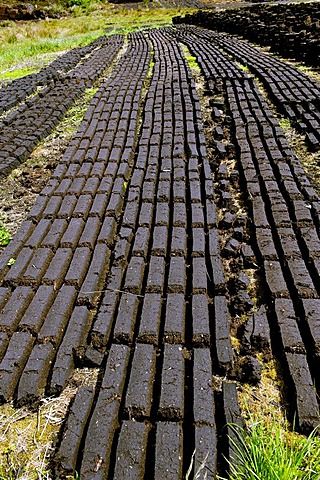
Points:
point(193, 64)
point(32, 43)
point(25, 41)
point(285, 124)
point(269, 451)
point(268, 448)
point(17, 73)
point(244, 68)
point(200, 472)
point(191, 60)
point(28, 437)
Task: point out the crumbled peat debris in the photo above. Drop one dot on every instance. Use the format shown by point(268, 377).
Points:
point(249, 325)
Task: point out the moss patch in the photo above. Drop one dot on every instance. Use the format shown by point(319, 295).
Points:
point(27, 438)
point(17, 73)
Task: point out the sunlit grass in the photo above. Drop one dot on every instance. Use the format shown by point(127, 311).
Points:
point(21, 72)
point(267, 450)
point(22, 41)
point(25, 47)
point(192, 61)
point(5, 236)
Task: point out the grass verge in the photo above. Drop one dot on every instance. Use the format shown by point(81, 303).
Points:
point(28, 438)
point(269, 448)
point(25, 44)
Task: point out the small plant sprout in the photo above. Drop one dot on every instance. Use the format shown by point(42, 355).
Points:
point(5, 236)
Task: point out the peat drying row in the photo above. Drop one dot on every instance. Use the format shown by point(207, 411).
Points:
point(18, 90)
point(122, 248)
point(118, 265)
point(290, 30)
point(295, 94)
point(285, 217)
point(39, 113)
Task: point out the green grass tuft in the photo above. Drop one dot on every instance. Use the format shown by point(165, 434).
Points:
point(193, 64)
point(244, 68)
point(268, 451)
point(191, 60)
point(285, 124)
point(5, 236)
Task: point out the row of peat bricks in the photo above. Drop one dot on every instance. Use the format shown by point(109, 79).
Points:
point(155, 313)
point(32, 106)
point(135, 216)
point(293, 92)
point(285, 219)
point(291, 30)
point(118, 267)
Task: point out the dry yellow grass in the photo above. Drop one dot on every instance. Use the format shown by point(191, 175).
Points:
point(27, 438)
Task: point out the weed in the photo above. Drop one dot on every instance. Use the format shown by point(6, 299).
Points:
point(285, 124)
point(193, 64)
point(192, 61)
point(201, 468)
point(244, 68)
point(5, 236)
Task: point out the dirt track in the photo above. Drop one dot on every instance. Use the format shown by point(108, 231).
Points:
point(119, 265)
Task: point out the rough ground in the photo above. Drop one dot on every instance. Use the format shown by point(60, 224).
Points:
point(138, 254)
